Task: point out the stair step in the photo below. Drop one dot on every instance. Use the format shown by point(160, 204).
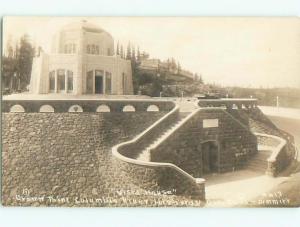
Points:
point(261, 161)
point(145, 153)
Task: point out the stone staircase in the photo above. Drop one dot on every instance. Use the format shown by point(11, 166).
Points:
point(259, 161)
point(145, 153)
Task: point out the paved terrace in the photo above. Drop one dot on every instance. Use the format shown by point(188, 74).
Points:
point(29, 96)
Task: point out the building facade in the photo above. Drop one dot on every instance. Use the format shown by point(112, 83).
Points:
point(81, 61)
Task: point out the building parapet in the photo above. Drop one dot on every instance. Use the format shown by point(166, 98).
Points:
point(229, 103)
point(82, 105)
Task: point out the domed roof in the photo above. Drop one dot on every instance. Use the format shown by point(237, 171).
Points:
point(84, 25)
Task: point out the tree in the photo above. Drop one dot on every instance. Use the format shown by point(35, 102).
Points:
point(133, 54)
point(25, 57)
point(138, 57)
point(173, 65)
point(122, 52)
point(201, 79)
point(128, 53)
point(9, 69)
point(118, 51)
point(178, 67)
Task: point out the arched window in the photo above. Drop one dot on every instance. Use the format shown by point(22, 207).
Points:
point(52, 82)
point(128, 108)
point(97, 50)
point(75, 109)
point(17, 109)
point(66, 49)
point(88, 49)
point(93, 49)
point(70, 81)
point(46, 109)
point(103, 109)
point(74, 48)
point(152, 108)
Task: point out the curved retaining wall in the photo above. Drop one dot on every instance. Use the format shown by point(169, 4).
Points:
point(156, 175)
point(278, 159)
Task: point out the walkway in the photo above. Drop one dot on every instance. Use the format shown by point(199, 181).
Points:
point(238, 188)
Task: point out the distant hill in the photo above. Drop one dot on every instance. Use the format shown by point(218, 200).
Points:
point(287, 97)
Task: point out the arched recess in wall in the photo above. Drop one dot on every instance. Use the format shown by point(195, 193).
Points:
point(103, 109)
point(128, 108)
point(152, 108)
point(17, 109)
point(75, 109)
point(46, 109)
point(234, 106)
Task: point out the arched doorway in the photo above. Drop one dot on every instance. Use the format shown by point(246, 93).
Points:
point(210, 157)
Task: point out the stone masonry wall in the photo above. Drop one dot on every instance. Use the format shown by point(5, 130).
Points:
point(65, 155)
point(162, 178)
point(155, 177)
point(183, 147)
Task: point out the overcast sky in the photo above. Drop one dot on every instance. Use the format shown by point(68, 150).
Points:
point(228, 51)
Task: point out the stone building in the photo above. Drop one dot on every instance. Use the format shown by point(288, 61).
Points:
point(81, 61)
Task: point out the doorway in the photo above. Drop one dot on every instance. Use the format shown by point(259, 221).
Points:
point(98, 84)
point(210, 157)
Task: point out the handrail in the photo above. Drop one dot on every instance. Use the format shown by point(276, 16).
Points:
point(149, 163)
point(181, 123)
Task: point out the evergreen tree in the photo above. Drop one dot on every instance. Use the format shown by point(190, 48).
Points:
point(25, 57)
point(138, 57)
point(201, 79)
point(195, 77)
point(122, 52)
point(118, 51)
point(168, 63)
point(133, 54)
point(178, 67)
point(173, 65)
point(128, 53)
point(8, 71)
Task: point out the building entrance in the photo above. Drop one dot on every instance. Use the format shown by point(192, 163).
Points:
point(210, 159)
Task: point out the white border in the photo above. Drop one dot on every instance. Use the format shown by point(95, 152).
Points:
point(140, 217)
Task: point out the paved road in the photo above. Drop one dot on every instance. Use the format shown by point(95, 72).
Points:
point(289, 125)
point(290, 187)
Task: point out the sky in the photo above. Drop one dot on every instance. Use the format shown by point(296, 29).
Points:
point(229, 51)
